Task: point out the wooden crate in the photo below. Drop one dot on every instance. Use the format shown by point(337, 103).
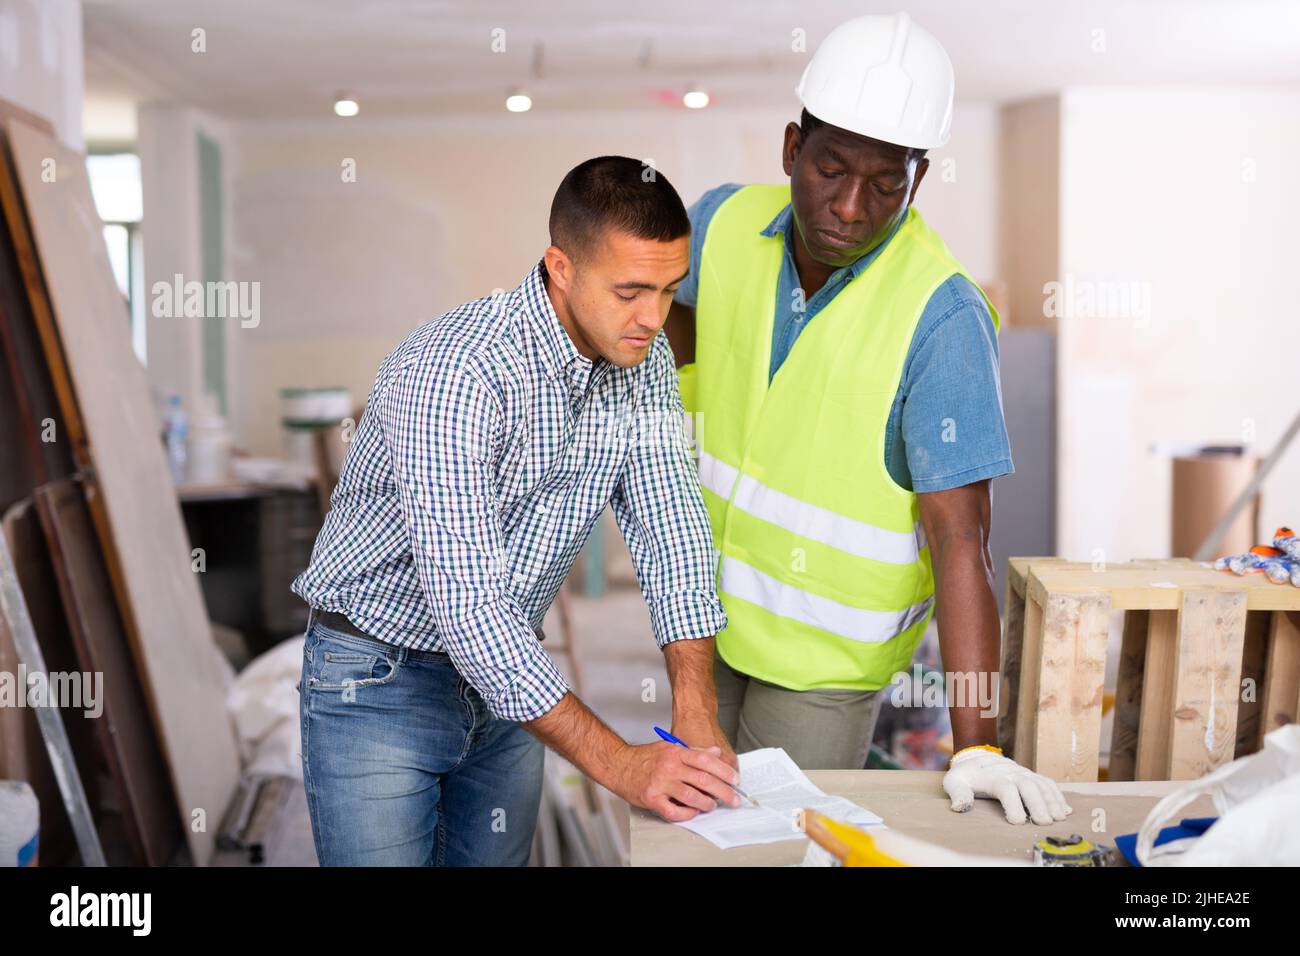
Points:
point(1209, 664)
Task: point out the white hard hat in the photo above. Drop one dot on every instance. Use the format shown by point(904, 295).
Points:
point(883, 77)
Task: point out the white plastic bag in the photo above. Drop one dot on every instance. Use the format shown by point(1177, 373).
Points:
point(263, 703)
point(1257, 797)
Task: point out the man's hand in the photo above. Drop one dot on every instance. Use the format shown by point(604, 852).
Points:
point(650, 775)
point(977, 772)
point(702, 731)
point(655, 775)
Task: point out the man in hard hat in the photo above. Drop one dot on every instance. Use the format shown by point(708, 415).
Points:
point(842, 368)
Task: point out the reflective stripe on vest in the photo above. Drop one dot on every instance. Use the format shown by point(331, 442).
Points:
point(810, 521)
point(855, 623)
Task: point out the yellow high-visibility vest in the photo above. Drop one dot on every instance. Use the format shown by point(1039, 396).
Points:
point(822, 564)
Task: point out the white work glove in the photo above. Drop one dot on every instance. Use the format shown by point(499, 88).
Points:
point(984, 772)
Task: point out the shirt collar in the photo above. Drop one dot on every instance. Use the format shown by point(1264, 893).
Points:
point(783, 223)
point(558, 352)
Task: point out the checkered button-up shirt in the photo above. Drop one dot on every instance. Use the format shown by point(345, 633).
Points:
point(487, 451)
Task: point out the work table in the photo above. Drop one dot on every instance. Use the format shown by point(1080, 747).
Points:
point(913, 802)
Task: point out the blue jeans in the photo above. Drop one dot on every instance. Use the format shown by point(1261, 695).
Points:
point(403, 763)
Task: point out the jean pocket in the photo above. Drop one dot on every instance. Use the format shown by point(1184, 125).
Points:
point(337, 666)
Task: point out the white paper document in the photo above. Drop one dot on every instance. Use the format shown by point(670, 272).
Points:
point(781, 790)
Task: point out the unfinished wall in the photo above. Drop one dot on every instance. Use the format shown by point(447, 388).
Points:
point(1029, 216)
point(443, 212)
point(1177, 240)
point(962, 192)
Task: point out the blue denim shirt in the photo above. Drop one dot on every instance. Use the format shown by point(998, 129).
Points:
point(946, 427)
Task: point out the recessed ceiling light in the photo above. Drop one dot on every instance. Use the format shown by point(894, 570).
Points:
point(346, 106)
point(695, 99)
point(519, 102)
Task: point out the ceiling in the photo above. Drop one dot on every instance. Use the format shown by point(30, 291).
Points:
point(281, 59)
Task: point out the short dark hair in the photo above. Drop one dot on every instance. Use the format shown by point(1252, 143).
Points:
point(809, 124)
point(618, 192)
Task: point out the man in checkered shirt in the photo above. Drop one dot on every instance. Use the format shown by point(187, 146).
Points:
point(493, 438)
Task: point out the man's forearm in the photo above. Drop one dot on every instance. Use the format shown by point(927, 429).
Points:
point(675, 782)
point(690, 673)
point(969, 634)
point(572, 730)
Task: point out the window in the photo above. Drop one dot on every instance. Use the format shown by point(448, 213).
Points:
point(115, 183)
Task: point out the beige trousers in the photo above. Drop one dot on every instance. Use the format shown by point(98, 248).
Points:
point(819, 729)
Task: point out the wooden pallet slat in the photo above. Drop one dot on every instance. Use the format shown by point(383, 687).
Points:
point(1152, 761)
point(1128, 696)
point(1280, 703)
point(1254, 661)
point(1211, 631)
point(1031, 654)
point(1191, 636)
point(1013, 639)
point(1158, 585)
point(1071, 673)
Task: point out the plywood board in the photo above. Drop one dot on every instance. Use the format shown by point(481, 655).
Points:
point(23, 757)
point(133, 502)
point(13, 111)
point(125, 735)
point(35, 302)
point(59, 751)
point(31, 428)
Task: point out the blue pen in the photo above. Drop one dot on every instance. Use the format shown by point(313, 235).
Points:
point(681, 743)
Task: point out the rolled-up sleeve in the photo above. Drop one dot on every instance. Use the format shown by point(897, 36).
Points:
point(438, 424)
point(952, 425)
point(659, 509)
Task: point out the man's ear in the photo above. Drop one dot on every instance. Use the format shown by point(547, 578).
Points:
point(921, 166)
point(790, 146)
point(559, 267)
